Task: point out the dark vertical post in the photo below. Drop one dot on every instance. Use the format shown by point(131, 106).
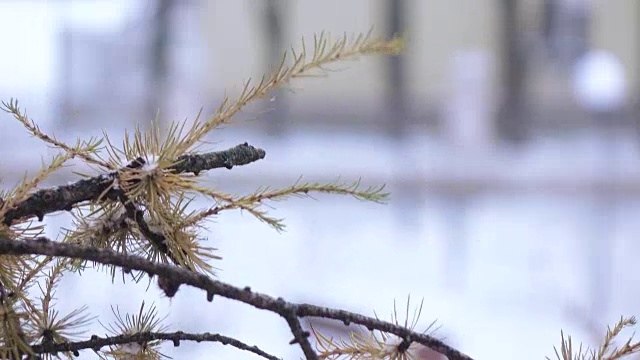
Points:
point(158, 56)
point(275, 118)
point(635, 91)
point(396, 87)
point(409, 195)
point(511, 122)
point(65, 100)
point(549, 19)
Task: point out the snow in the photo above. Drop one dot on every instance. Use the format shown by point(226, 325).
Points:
point(151, 164)
point(116, 183)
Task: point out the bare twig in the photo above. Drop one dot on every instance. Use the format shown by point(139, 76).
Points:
point(59, 198)
point(300, 336)
point(242, 154)
point(44, 246)
point(96, 342)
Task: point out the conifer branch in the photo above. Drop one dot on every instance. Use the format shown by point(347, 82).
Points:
point(96, 342)
point(295, 65)
point(64, 197)
point(178, 276)
point(13, 108)
point(242, 154)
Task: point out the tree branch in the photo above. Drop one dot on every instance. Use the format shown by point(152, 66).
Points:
point(242, 154)
point(59, 198)
point(157, 239)
point(96, 342)
point(300, 336)
point(177, 275)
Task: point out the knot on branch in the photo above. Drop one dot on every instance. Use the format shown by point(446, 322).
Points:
point(168, 285)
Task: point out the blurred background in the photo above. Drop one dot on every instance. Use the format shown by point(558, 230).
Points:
point(507, 135)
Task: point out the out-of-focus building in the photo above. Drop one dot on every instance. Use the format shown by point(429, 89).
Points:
point(474, 71)
point(515, 48)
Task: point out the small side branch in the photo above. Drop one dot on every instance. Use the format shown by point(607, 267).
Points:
point(60, 198)
point(407, 335)
point(177, 275)
point(96, 342)
point(242, 154)
point(136, 215)
point(300, 336)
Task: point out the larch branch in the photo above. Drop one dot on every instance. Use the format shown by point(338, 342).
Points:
point(60, 198)
point(96, 342)
point(178, 275)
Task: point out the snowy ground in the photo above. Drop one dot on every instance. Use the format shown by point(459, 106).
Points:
point(501, 271)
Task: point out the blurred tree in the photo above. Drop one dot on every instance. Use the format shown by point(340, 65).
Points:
point(512, 125)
